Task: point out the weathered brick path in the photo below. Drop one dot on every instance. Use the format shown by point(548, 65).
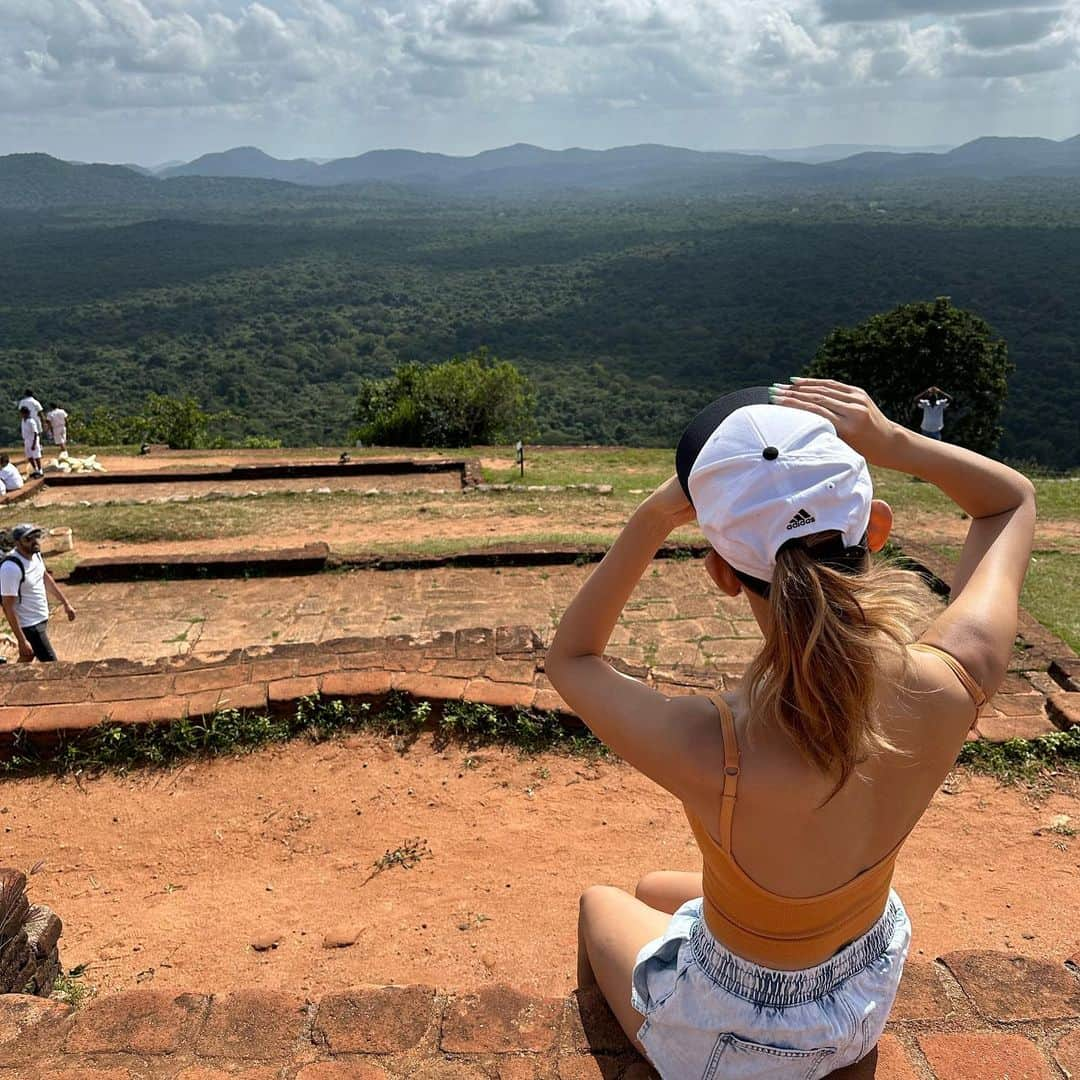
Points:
point(675, 616)
point(969, 1016)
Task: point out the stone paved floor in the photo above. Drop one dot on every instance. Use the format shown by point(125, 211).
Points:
point(676, 616)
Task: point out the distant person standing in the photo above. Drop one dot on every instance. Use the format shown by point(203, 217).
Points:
point(10, 477)
point(25, 585)
point(933, 401)
point(30, 402)
point(56, 420)
point(31, 434)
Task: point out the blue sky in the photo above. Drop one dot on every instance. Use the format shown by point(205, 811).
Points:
point(153, 80)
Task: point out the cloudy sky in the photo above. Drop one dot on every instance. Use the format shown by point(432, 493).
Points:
point(153, 80)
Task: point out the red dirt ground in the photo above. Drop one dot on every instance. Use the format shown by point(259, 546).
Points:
point(164, 879)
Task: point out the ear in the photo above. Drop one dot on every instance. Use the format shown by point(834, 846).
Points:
point(881, 519)
point(723, 576)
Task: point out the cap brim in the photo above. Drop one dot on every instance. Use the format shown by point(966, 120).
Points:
point(700, 429)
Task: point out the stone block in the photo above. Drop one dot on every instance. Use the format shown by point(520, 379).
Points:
point(458, 669)
point(999, 728)
point(887, 1061)
point(519, 1067)
point(219, 677)
point(342, 645)
point(136, 1022)
point(75, 717)
point(252, 1025)
point(1028, 704)
point(476, 643)
point(30, 1025)
point(512, 671)
point(549, 701)
point(501, 695)
point(13, 718)
point(272, 668)
point(429, 686)
point(203, 1072)
point(319, 662)
point(382, 661)
point(1004, 986)
point(922, 994)
point(586, 1067)
point(1064, 709)
point(984, 1056)
point(589, 1026)
point(60, 1069)
point(1065, 670)
point(286, 690)
point(342, 1070)
point(250, 695)
point(131, 687)
point(49, 692)
point(499, 1020)
point(376, 1020)
point(145, 711)
point(517, 641)
point(356, 683)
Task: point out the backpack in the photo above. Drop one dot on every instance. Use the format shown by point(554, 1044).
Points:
point(11, 557)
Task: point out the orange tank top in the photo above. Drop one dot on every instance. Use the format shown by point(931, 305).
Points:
point(784, 932)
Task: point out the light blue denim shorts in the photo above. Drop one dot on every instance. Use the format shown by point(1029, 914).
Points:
point(710, 1014)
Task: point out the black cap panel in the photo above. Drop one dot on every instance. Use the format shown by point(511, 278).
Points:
point(700, 429)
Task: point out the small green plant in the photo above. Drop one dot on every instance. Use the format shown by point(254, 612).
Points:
point(1024, 760)
point(70, 988)
point(406, 856)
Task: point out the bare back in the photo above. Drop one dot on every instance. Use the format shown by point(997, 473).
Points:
point(788, 836)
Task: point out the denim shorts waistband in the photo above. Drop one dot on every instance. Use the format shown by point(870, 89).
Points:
point(782, 989)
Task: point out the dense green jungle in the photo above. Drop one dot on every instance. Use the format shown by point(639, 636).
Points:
point(628, 314)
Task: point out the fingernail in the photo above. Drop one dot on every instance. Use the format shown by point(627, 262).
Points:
point(795, 378)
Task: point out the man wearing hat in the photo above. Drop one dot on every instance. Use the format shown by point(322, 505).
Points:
point(24, 588)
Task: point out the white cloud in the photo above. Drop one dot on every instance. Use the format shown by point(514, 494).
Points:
point(328, 77)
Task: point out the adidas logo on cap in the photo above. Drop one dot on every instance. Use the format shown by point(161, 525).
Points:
point(803, 517)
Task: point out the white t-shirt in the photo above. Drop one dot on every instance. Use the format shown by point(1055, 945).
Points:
point(58, 422)
point(33, 608)
point(30, 428)
point(933, 416)
point(11, 477)
point(33, 405)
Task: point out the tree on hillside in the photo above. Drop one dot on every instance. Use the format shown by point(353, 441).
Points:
point(466, 400)
point(896, 355)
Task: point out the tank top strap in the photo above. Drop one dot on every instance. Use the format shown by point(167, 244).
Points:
point(731, 771)
point(975, 691)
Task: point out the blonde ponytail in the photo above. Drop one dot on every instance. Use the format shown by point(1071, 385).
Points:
point(831, 635)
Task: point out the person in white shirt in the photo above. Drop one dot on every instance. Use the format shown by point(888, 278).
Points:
point(25, 585)
point(56, 421)
point(30, 402)
point(10, 477)
point(31, 434)
point(933, 401)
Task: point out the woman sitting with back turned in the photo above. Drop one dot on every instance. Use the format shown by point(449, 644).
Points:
point(783, 957)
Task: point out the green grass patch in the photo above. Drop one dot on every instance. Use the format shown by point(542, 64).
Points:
point(1024, 760)
point(624, 468)
point(1051, 590)
point(122, 747)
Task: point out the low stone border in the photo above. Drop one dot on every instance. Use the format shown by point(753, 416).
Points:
point(501, 666)
point(277, 562)
point(969, 1015)
point(468, 470)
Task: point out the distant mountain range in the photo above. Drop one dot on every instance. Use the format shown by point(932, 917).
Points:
point(40, 180)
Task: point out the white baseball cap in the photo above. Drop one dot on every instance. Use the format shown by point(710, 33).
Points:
point(759, 475)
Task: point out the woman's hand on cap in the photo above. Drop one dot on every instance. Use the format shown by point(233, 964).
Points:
point(851, 410)
point(670, 501)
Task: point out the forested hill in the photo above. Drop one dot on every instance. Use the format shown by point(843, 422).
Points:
point(629, 314)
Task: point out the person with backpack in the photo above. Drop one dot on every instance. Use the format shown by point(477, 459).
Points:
point(781, 956)
point(25, 585)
